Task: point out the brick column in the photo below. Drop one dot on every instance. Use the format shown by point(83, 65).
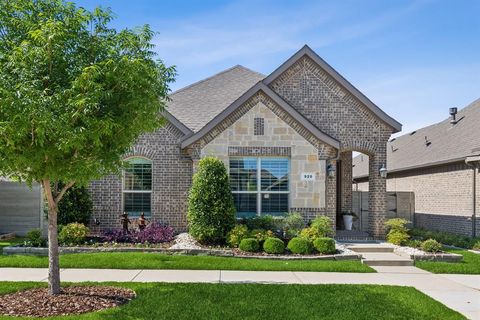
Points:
point(377, 199)
point(331, 194)
point(346, 197)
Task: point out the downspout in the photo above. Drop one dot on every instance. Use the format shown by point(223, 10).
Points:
point(474, 163)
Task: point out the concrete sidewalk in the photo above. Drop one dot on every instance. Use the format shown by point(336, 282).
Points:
point(458, 292)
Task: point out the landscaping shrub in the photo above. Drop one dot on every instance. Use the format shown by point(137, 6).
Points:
point(397, 231)
point(262, 235)
point(300, 245)
point(319, 228)
point(273, 245)
point(413, 243)
point(117, 235)
point(476, 246)
point(35, 239)
point(154, 233)
point(397, 237)
point(237, 234)
point(211, 211)
point(324, 245)
point(293, 221)
point(291, 225)
point(249, 245)
point(264, 222)
point(446, 238)
point(73, 234)
point(431, 245)
point(76, 206)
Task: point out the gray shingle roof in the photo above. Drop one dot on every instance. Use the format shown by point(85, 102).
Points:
point(434, 144)
point(198, 103)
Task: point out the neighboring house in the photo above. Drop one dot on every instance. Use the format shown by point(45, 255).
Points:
point(437, 163)
point(286, 139)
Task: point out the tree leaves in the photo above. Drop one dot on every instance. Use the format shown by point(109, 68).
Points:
point(74, 93)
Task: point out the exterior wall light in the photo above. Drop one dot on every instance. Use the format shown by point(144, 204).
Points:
point(383, 172)
point(331, 170)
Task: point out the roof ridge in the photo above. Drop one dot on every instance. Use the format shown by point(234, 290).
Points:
point(213, 76)
point(447, 119)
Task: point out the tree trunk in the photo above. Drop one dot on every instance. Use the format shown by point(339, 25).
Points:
point(53, 259)
point(53, 256)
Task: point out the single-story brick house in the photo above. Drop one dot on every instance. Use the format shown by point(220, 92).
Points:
point(286, 139)
point(439, 164)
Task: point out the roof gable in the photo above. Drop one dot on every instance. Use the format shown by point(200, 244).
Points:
point(260, 86)
point(307, 51)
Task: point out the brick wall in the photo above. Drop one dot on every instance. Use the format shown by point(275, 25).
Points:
point(172, 175)
point(443, 196)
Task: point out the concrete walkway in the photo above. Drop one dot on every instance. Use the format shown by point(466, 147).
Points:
point(458, 292)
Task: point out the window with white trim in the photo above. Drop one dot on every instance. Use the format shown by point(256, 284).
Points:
point(137, 187)
point(260, 185)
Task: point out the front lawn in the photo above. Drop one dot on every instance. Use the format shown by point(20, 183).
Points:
point(148, 260)
point(469, 265)
point(262, 301)
point(141, 260)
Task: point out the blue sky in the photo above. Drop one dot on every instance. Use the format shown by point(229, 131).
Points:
point(414, 59)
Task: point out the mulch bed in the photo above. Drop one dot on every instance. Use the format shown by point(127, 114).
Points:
point(72, 300)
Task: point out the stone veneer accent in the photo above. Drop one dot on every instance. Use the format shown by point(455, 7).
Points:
point(172, 175)
point(279, 140)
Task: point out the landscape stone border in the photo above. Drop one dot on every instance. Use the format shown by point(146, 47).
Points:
point(18, 250)
point(439, 257)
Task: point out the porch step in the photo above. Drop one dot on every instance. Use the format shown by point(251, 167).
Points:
point(370, 247)
point(379, 254)
point(385, 259)
point(353, 235)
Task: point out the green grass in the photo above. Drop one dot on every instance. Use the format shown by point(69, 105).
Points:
point(140, 260)
point(144, 260)
point(469, 265)
point(262, 301)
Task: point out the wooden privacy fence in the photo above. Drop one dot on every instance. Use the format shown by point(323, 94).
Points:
point(399, 205)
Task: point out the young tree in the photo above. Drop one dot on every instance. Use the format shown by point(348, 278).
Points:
point(74, 96)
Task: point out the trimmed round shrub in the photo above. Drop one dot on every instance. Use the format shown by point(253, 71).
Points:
point(324, 245)
point(73, 234)
point(249, 245)
point(273, 245)
point(431, 245)
point(211, 211)
point(237, 234)
point(300, 245)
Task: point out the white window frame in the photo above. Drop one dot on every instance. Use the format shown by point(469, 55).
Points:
point(259, 192)
point(136, 191)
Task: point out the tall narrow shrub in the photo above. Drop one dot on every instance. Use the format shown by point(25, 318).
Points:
point(211, 211)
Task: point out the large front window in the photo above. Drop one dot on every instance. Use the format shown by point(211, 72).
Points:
point(259, 185)
point(137, 187)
